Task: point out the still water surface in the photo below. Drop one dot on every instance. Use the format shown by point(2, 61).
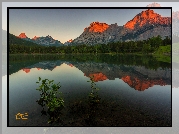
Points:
point(134, 90)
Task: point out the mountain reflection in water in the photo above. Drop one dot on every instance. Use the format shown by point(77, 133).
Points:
point(137, 77)
point(116, 103)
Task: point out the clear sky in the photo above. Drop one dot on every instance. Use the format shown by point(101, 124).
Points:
point(66, 24)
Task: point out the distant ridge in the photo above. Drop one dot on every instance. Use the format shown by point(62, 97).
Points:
point(44, 41)
point(14, 40)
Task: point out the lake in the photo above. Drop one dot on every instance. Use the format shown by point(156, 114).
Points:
point(133, 90)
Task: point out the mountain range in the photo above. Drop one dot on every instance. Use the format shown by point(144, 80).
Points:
point(44, 41)
point(143, 26)
point(175, 20)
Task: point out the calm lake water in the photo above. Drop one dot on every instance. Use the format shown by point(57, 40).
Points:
point(133, 90)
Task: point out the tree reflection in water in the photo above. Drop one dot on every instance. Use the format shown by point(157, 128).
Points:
point(94, 101)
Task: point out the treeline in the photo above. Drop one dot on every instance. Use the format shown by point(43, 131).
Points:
point(145, 46)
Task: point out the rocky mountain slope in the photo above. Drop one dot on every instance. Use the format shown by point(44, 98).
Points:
point(143, 26)
point(44, 41)
point(99, 33)
point(175, 23)
point(47, 41)
point(68, 42)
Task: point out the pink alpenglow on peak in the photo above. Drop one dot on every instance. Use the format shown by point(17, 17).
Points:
point(70, 40)
point(22, 35)
point(35, 37)
point(97, 27)
point(147, 17)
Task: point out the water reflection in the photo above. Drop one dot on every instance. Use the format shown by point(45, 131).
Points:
point(137, 77)
point(115, 104)
point(141, 85)
point(94, 101)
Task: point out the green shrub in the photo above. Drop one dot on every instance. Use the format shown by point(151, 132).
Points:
point(50, 98)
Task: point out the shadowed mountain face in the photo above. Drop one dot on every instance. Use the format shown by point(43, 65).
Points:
point(136, 76)
point(143, 26)
point(175, 23)
point(44, 41)
point(47, 41)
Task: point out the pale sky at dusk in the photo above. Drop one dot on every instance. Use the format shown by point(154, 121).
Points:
point(66, 24)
